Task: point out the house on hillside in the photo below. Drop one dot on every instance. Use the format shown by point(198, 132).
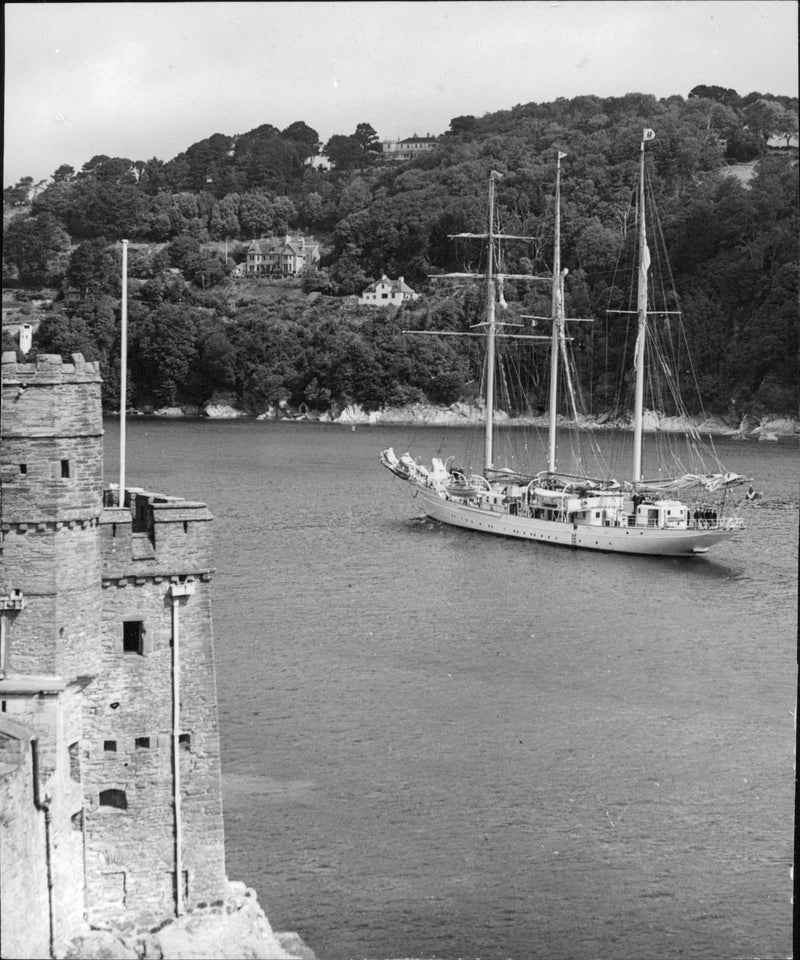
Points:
point(72, 296)
point(284, 257)
point(409, 148)
point(782, 141)
point(386, 292)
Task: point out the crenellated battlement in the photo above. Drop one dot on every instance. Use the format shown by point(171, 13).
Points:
point(154, 535)
point(50, 400)
point(49, 368)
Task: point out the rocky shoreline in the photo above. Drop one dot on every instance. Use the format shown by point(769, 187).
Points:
point(769, 427)
point(226, 930)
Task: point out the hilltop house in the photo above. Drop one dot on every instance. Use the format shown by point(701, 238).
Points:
point(407, 149)
point(284, 257)
point(385, 292)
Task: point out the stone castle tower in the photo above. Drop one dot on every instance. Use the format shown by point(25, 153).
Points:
point(110, 795)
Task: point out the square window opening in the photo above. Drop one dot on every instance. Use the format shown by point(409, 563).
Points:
point(23, 468)
point(143, 743)
point(110, 746)
point(185, 741)
point(132, 634)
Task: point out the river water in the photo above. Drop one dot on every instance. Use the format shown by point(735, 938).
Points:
point(442, 744)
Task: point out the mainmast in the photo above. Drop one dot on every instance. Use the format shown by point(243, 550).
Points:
point(488, 453)
point(641, 309)
point(558, 320)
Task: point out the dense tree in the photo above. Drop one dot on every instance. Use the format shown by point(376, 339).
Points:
point(64, 172)
point(721, 94)
point(36, 248)
point(92, 265)
point(367, 138)
point(344, 152)
point(20, 193)
point(305, 138)
point(256, 214)
point(163, 352)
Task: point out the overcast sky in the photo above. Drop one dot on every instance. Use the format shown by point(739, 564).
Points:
point(142, 80)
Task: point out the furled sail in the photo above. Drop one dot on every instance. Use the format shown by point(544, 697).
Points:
point(709, 482)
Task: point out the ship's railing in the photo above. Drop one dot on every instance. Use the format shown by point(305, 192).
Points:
point(731, 523)
point(631, 520)
point(726, 523)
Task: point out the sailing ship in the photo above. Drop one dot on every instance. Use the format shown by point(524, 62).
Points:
point(594, 511)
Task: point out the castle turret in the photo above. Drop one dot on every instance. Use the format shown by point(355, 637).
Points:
point(51, 484)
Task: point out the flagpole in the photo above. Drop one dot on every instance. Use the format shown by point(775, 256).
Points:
point(123, 375)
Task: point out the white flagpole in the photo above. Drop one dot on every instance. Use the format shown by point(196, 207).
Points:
point(123, 374)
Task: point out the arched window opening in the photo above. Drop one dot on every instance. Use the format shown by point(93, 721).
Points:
point(114, 798)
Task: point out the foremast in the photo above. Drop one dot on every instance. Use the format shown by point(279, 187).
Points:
point(490, 323)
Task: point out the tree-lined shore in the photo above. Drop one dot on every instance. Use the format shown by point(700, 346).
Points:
point(196, 334)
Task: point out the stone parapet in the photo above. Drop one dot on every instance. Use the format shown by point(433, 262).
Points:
point(50, 398)
point(155, 536)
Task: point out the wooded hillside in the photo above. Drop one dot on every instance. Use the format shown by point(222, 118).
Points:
point(195, 333)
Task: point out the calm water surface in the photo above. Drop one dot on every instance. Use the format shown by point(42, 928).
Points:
point(438, 743)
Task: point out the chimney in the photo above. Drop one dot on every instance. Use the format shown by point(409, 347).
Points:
point(25, 337)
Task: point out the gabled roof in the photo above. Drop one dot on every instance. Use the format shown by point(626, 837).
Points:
point(416, 139)
point(396, 286)
point(299, 247)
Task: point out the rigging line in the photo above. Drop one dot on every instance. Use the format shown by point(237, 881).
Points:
point(708, 445)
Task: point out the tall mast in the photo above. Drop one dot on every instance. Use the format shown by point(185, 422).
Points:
point(641, 308)
point(558, 320)
point(488, 455)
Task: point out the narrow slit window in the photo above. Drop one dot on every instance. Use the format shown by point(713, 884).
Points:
point(74, 761)
point(65, 469)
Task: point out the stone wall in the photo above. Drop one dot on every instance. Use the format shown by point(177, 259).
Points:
point(23, 877)
point(132, 709)
point(53, 811)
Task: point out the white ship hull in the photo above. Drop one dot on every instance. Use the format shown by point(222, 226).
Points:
point(639, 540)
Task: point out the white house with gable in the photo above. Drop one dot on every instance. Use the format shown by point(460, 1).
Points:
point(385, 292)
